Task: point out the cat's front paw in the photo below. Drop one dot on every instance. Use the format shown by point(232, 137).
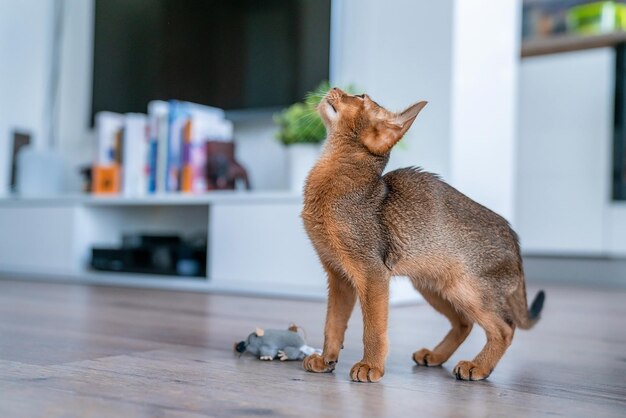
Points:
point(468, 370)
point(363, 372)
point(318, 364)
point(425, 357)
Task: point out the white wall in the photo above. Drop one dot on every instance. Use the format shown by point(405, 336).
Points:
point(565, 156)
point(76, 137)
point(261, 154)
point(25, 29)
point(615, 229)
point(484, 89)
point(565, 131)
point(25, 54)
point(400, 52)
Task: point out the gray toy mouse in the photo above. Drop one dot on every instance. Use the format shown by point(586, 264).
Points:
point(269, 344)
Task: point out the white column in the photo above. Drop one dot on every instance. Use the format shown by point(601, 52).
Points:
point(25, 28)
point(76, 138)
point(399, 52)
point(485, 63)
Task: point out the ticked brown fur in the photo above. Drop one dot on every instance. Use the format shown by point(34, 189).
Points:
point(366, 227)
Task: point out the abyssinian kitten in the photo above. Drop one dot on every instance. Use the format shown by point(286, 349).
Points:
point(366, 227)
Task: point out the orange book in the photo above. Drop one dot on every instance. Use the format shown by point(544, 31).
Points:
point(187, 179)
point(187, 171)
point(106, 179)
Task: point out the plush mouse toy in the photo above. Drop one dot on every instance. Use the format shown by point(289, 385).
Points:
point(269, 344)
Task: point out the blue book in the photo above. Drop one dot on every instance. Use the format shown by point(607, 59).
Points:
point(177, 118)
point(158, 111)
point(179, 114)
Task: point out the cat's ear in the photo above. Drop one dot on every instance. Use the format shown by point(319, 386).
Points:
point(386, 133)
point(405, 119)
point(259, 332)
point(381, 137)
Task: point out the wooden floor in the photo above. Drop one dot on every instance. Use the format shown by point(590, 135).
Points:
point(80, 351)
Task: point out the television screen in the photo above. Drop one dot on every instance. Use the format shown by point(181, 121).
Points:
point(233, 54)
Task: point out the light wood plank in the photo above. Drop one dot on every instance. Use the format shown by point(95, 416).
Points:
point(71, 350)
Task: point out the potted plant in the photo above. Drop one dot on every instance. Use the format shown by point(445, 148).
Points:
point(302, 131)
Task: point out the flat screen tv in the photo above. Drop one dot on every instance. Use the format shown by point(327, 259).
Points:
point(233, 54)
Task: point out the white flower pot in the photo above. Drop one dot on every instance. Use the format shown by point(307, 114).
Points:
point(302, 157)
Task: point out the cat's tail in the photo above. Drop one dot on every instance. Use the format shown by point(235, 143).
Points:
point(523, 317)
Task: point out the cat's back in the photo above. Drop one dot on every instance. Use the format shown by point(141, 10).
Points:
point(430, 208)
point(415, 189)
point(411, 187)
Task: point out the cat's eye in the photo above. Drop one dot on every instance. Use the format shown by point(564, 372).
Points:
point(360, 96)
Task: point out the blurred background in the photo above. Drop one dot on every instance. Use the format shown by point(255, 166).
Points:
point(164, 143)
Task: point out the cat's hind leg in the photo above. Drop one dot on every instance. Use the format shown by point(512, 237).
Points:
point(479, 306)
point(461, 327)
point(499, 337)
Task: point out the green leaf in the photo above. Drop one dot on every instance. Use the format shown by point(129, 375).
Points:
point(300, 123)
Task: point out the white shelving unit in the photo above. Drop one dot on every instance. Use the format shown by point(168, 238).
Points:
point(256, 242)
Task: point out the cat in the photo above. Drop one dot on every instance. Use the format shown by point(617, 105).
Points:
point(366, 227)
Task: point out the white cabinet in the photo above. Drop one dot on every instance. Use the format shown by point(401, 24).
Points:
point(262, 247)
point(564, 152)
point(38, 238)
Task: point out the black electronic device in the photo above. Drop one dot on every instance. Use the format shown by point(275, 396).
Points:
point(168, 255)
point(232, 54)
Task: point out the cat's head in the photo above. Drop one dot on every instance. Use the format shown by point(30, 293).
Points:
point(359, 118)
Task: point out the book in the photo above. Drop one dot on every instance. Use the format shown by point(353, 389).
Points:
point(183, 137)
point(158, 115)
point(108, 127)
point(187, 172)
point(163, 151)
point(202, 128)
point(177, 120)
point(106, 167)
point(134, 151)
